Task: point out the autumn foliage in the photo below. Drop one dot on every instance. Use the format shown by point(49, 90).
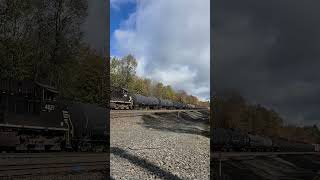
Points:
point(123, 74)
point(230, 110)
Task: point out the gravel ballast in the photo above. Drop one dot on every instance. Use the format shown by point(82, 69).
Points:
point(160, 146)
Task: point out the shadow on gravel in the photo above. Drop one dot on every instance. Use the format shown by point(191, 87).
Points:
point(156, 170)
point(182, 122)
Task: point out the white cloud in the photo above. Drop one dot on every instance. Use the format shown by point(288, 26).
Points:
point(171, 41)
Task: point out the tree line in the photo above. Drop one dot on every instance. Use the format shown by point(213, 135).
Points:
point(230, 110)
point(41, 40)
point(123, 74)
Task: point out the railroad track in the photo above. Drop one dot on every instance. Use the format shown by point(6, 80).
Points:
point(154, 111)
point(132, 113)
point(26, 165)
point(225, 155)
point(51, 155)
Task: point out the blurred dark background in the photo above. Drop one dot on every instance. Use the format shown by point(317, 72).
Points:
point(60, 43)
point(264, 70)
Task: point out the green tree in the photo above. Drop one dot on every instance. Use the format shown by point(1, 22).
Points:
point(123, 71)
point(158, 90)
point(115, 72)
point(168, 93)
point(128, 70)
point(38, 37)
point(181, 96)
point(140, 86)
point(88, 83)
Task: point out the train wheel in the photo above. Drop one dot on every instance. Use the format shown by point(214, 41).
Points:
point(84, 149)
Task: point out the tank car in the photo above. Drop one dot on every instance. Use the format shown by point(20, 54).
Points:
point(191, 106)
point(259, 143)
point(221, 139)
point(304, 147)
point(140, 101)
point(316, 147)
point(235, 140)
point(177, 105)
point(239, 140)
point(285, 145)
point(165, 103)
point(122, 99)
point(89, 123)
point(184, 106)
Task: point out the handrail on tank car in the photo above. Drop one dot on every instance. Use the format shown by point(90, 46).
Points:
point(67, 120)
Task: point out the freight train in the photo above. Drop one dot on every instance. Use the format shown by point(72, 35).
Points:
point(235, 140)
point(33, 119)
point(122, 99)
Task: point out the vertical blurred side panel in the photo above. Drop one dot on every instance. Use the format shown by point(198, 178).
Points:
point(211, 87)
point(108, 84)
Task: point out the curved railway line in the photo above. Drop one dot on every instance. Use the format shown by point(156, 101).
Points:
point(154, 111)
point(131, 113)
point(226, 155)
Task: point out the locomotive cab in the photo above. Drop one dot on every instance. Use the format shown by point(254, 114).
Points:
point(30, 117)
point(120, 99)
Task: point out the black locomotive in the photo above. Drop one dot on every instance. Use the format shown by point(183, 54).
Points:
point(122, 99)
point(32, 119)
point(235, 140)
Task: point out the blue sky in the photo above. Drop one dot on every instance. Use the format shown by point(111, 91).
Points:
point(118, 15)
point(169, 38)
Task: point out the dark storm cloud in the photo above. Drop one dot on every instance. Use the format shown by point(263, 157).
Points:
point(269, 52)
point(95, 25)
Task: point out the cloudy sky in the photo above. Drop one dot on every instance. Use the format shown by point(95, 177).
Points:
point(269, 52)
point(169, 38)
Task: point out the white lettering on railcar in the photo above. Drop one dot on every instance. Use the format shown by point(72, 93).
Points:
point(49, 107)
